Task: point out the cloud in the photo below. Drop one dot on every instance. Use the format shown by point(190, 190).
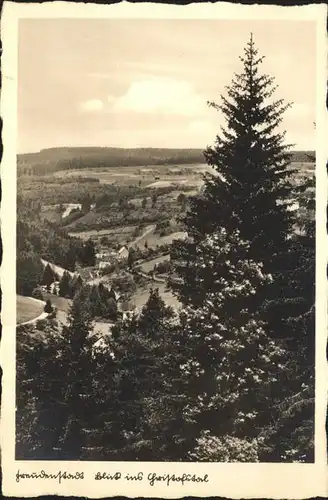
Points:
point(111, 99)
point(162, 95)
point(91, 105)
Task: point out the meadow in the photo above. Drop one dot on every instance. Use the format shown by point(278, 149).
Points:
point(141, 296)
point(27, 308)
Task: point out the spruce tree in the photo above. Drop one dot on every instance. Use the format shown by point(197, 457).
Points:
point(48, 276)
point(40, 387)
point(95, 303)
point(48, 307)
point(29, 272)
point(294, 427)
point(78, 398)
point(250, 178)
point(241, 237)
point(148, 419)
point(233, 369)
point(65, 285)
point(87, 254)
point(111, 309)
point(131, 258)
point(76, 285)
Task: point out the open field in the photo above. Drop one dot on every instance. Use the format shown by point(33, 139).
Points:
point(153, 238)
point(144, 181)
point(27, 308)
point(98, 233)
point(148, 266)
point(123, 235)
point(109, 176)
point(141, 296)
point(192, 182)
point(151, 176)
point(61, 303)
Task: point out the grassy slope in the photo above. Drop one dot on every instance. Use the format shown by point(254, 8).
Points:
point(61, 303)
point(148, 266)
point(141, 296)
point(27, 308)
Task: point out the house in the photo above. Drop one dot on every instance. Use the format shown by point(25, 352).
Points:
point(146, 170)
point(123, 253)
point(104, 264)
point(113, 295)
point(102, 255)
point(175, 170)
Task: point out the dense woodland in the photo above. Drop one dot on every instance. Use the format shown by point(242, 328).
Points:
point(40, 239)
point(55, 159)
point(230, 376)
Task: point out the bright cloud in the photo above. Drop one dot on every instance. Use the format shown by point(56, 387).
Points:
point(91, 105)
point(162, 95)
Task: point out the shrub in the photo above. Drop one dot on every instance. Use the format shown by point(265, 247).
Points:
point(48, 307)
point(41, 324)
point(37, 293)
point(53, 314)
point(163, 267)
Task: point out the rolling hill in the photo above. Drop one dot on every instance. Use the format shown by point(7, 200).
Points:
point(67, 158)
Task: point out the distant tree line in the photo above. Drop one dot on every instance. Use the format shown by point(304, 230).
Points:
point(55, 159)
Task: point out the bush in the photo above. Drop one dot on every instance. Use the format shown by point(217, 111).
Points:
point(48, 307)
point(37, 293)
point(53, 314)
point(163, 267)
point(162, 225)
point(107, 270)
point(124, 284)
point(137, 231)
point(41, 324)
point(104, 240)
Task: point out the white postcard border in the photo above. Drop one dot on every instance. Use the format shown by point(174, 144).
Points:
point(227, 480)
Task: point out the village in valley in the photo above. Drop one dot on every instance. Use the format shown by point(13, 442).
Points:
point(126, 259)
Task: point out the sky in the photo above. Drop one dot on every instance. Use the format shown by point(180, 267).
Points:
point(146, 83)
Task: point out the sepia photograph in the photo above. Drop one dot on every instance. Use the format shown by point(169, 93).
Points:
point(166, 240)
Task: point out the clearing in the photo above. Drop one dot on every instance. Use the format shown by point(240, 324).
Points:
point(192, 182)
point(149, 265)
point(154, 239)
point(61, 303)
point(98, 233)
point(141, 296)
point(28, 308)
point(57, 269)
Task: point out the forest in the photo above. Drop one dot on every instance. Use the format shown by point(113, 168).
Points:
point(40, 239)
point(56, 159)
point(51, 160)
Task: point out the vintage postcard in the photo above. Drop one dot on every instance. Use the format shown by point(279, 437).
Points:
point(164, 267)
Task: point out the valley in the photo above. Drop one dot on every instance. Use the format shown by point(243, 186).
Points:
point(129, 215)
